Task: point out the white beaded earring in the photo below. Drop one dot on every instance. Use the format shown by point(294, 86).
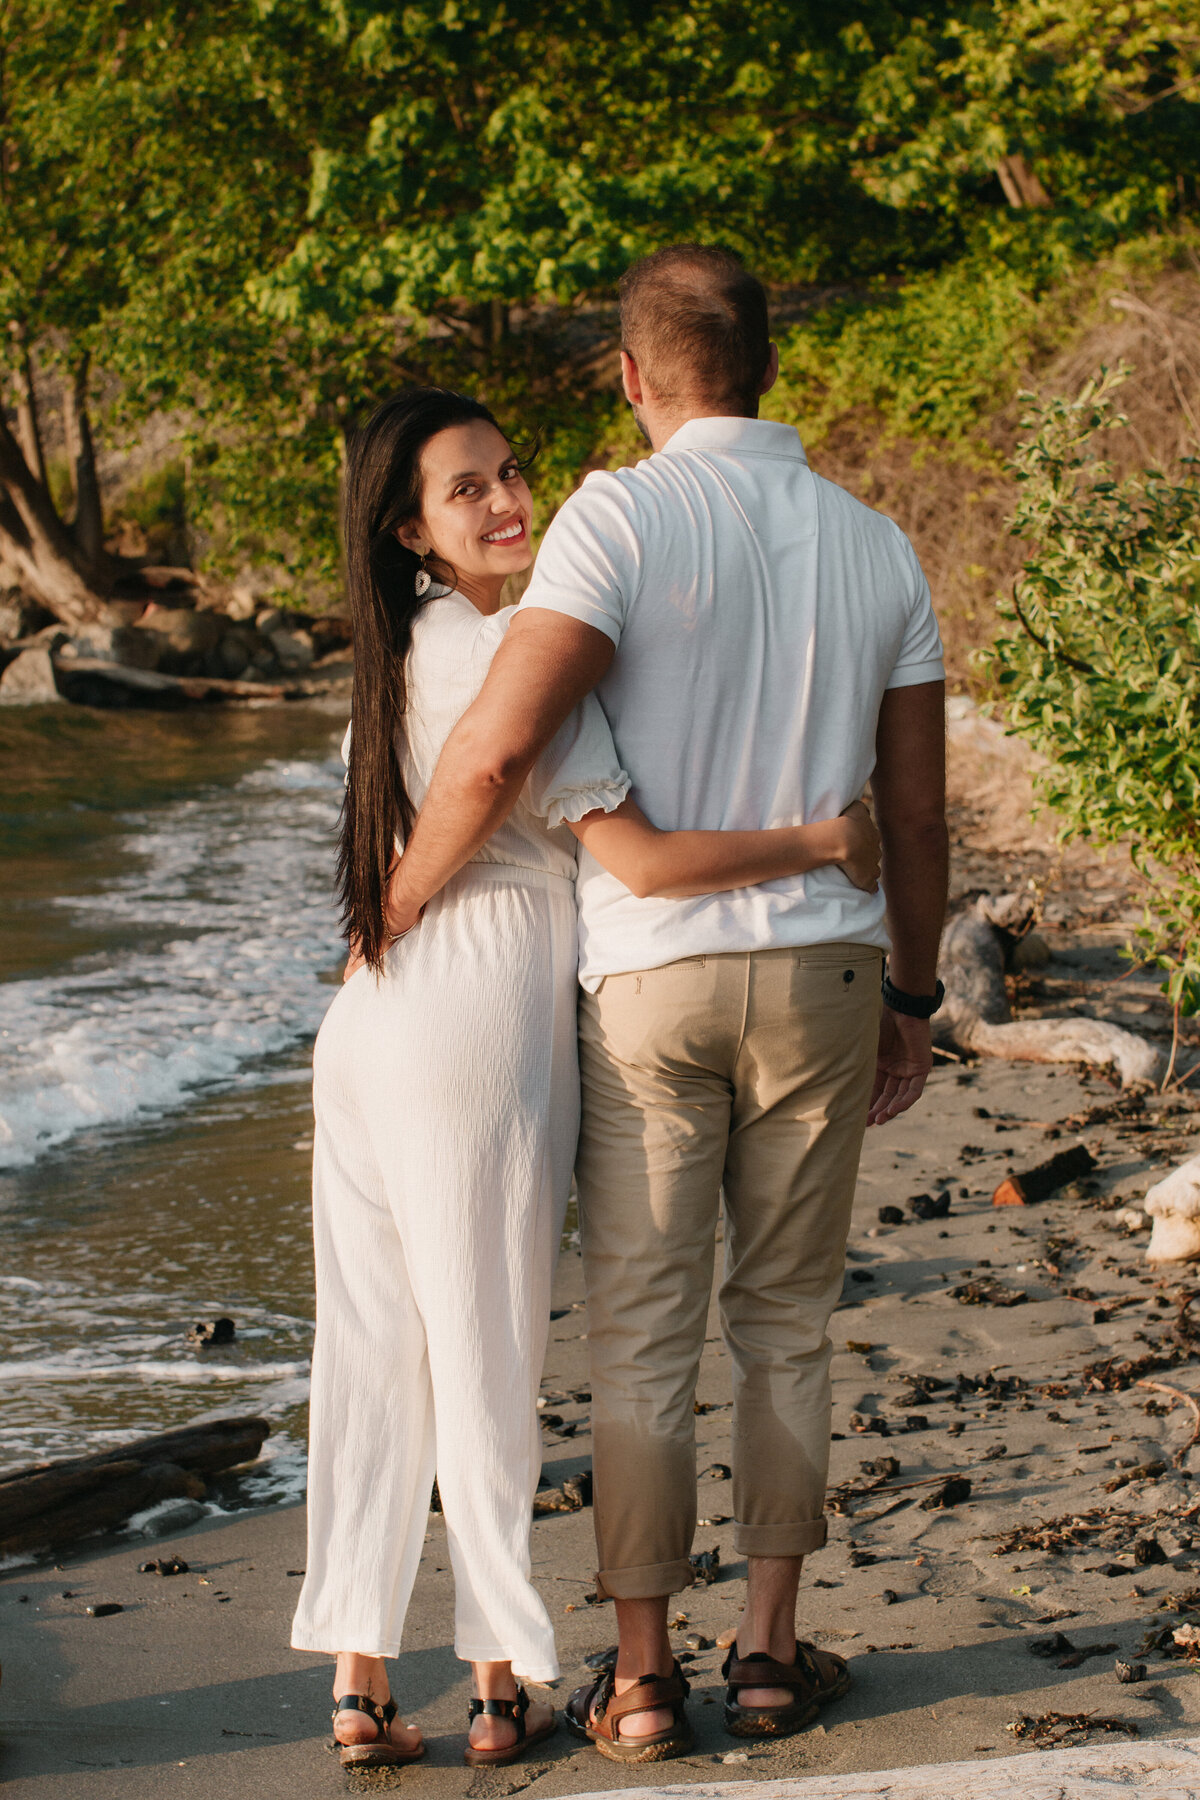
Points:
point(424, 580)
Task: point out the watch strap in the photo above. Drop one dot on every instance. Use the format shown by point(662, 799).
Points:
point(913, 1006)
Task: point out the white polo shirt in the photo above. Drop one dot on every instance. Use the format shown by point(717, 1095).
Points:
point(759, 613)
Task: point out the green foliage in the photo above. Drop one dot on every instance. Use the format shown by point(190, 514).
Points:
point(159, 498)
point(1102, 673)
point(928, 359)
point(1094, 101)
point(262, 215)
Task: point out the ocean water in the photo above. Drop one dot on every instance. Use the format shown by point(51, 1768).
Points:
point(168, 946)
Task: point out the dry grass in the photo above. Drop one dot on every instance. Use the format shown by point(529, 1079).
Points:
point(953, 503)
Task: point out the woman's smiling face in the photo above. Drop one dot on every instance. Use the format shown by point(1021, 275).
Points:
point(475, 511)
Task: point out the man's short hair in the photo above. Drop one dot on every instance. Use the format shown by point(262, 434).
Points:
point(694, 320)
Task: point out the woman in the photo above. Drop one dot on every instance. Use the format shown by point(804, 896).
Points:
point(446, 1091)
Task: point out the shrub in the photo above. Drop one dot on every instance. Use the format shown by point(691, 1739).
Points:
point(1102, 673)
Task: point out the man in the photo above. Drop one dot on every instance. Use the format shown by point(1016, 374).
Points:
point(763, 645)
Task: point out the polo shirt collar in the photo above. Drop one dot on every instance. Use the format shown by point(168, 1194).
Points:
point(746, 437)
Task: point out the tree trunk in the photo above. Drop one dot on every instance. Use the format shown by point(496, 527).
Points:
point(89, 519)
point(1021, 186)
point(37, 552)
point(28, 432)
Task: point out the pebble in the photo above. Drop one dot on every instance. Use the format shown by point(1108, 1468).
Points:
point(103, 1609)
point(1127, 1673)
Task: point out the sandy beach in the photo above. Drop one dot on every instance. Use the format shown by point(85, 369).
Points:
point(186, 1690)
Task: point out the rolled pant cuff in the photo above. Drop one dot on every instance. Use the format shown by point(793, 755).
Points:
point(781, 1540)
point(651, 1581)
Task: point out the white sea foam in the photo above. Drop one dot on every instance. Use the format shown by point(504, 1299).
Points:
point(228, 922)
point(182, 1374)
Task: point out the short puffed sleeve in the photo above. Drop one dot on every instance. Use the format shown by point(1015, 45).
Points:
point(579, 771)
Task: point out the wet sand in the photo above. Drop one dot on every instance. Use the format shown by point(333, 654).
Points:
point(192, 1690)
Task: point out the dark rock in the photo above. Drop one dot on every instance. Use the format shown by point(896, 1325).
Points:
point(104, 1609)
point(716, 1472)
point(164, 1565)
point(890, 1215)
point(1129, 1672)
point(951, 1493)
point(879, 1426)
point(995, 1452)
point(1147, 1552)
point(1058, 1645)
point(602, 1660)
point(706, 1565)
point(293, 650)
point(861, 1275)
point(889, 1597)
point(578, 1488)
point(916, 1422)
point(930, 1206)
point(212, 1331)
point(886, 1467)
point(861, 1559)
point(186, 637)
point(232, 655)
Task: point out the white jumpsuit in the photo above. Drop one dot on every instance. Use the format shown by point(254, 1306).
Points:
point(447, 1105)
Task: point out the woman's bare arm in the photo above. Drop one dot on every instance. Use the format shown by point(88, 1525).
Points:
point(680, 864)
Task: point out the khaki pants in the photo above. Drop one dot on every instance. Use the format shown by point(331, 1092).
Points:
point(749, 1072)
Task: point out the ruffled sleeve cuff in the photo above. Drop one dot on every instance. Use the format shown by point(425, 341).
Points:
point(568, 807)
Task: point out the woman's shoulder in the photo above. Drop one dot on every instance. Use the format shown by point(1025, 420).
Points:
point(450, 633)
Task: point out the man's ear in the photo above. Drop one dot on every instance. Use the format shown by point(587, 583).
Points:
point(772, 374)
point(631, 379)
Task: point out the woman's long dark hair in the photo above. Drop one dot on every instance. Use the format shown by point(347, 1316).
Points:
point(382, 491)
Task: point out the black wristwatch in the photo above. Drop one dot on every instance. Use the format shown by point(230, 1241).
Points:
point(914, 1006)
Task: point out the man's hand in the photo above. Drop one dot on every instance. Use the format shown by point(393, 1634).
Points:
point(902, 1065)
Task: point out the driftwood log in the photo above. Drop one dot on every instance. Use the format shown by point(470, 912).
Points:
point(54, 1503)
point(75, 671)
point(976, 951)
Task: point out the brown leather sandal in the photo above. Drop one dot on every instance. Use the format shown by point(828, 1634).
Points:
point(378, 1752)
point(811, 1685)
point(504, 1709)
point(595, 1713)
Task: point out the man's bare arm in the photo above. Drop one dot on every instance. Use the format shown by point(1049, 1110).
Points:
point(544, 667)
point(909, 789)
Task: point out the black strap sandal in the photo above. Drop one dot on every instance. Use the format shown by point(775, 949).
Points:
point(378, 1752)
point(814, 1679)
point(504, 1709)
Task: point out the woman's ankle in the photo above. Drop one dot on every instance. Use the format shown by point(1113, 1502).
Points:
point(494, 1680)
point(355, 1674)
